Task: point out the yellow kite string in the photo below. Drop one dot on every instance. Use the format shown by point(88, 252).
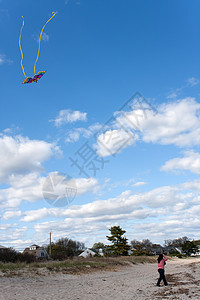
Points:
point(21, 47)
point(54, 13)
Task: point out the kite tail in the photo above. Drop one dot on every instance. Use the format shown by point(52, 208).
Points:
point(54, 13)
point(21, 47)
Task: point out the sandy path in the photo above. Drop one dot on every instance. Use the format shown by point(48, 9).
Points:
point(131, 283)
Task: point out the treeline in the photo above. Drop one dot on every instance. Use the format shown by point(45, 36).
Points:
point(66, 248)
point(119, 245)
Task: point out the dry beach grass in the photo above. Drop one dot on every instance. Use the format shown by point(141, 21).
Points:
point(72, 266)
point(100, 278)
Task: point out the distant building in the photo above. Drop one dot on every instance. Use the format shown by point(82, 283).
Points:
point(197, 253)
point(87, 253)
point(100, 252)
point(37, 251)
point(3, 248)
point(131, 251)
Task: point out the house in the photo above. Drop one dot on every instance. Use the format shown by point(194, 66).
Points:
point(197, 253)
point(37, 251)
point(131, 251)
point(3, 248)
point(155, 249)
point(87, 253)
point(172, 250)
point(98, 251)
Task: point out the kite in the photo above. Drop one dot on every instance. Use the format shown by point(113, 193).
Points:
point(37, 76)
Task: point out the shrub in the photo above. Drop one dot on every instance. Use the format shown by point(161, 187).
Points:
point(26, 257)
point(8, 255)
point(11, 255)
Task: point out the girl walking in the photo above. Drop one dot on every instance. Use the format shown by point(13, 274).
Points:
point(161, 268)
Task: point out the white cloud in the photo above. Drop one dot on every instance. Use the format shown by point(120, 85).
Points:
point(69, 116)
point(13, 130)
point(61, 190)
point(32, 187)
point(75, 134)
point(4, 60)
point(76, 2)
point(192, 81)
point(175, 123)
point(139, 183)
point(85, 185)
point(113, 141)
point(123, 206)
point(173, 95)
point(20, 155)
point(164, 127)
point(190, 162)
point(34, 215)
point(22, 188)
point(176, 208)
point(45, 37)
point(93, 212)
point(168, 228)
point(193, 186)
point(11, 214)
point(1, 59)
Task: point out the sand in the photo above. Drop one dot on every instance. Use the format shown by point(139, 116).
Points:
point(132, 282)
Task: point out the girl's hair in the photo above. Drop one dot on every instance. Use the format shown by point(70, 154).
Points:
point(160, 257)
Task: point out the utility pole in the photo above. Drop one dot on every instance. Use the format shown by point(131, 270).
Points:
point(50, 246)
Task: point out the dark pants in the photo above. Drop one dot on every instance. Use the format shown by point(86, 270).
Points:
point(162, 277)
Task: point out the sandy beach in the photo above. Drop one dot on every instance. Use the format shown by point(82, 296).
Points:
point(128, 283)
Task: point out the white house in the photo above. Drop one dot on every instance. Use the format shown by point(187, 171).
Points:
point(87, 253)
point(100, 251)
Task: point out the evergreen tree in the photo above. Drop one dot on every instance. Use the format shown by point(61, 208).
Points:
point(119, 243)
point(189, 247)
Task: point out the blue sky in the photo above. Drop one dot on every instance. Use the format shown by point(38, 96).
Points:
point(97, 55)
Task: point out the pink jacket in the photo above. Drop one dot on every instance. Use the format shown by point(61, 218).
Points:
point(161, 264)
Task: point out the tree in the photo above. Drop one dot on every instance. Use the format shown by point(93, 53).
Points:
point(189, 247)
point(119, 243)
point(134, 243)
point(176, 242)
point(98, 245)
point(197, 242)
point(141, 248)
point(146, 243)
point(65, 248)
